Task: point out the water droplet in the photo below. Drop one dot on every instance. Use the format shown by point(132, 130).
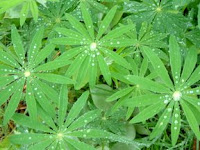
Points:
point(176, 115)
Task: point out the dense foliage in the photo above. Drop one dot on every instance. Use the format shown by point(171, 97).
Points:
point(99, 74)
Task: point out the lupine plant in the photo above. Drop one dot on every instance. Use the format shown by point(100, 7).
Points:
point(99, 74)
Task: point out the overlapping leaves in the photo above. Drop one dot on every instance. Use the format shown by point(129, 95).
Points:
point(63, 131)
point(26, 71)
point(170, 97)
point(92, 50)
point(164, 15)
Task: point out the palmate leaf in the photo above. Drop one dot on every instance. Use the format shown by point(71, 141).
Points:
point(146, 37)
point(26, 72)
point(169, 97)
point(159, 13)
point(64, 133)
point(90, 47)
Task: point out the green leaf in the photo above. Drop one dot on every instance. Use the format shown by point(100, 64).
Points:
point(6, 58)
point(120, 94)
point(189, 65)
point(24, 13)
point(175, 59)
point(47, 90)
point(117, 58)
point(77, 25)
point(191, 119)
point(148, 112)
point(5, 80)
point(84, 119)
point(144, 67)
point(143, 100)
point(24, 120)
point(176, 124)
point(96, 133)
point(7, 4)
point(35, 45)
point(46, 117)
point(122, 42)
point(54, 78)
point(82, 78)
point(62, 105)
point(198, 16)
point(8, 91)
point(31, 103)
point(34, 10)
point(93, 74)
point(28, 138)
point(147, 84)
point(194, 77)
point(76, 64)
point(80, 145)
point(5, 70)
point(104, 69)
point(76, 109)
point(41, 145)
point(117, 32)
point(87, 20)
point(67, 41)
point(106, 22)
point(158, 66)
point(13, 103)
point(52, 65)
point(17, 44)
point(163, 121)
point(69, 33)
point(44, 53)
point(192, 100)
point(70, 53)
